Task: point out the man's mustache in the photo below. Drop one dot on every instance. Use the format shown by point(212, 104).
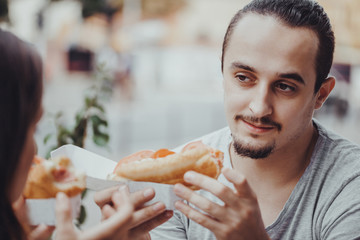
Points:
point(264, 120)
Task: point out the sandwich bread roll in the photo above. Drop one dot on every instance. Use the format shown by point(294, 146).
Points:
point(167, 167)
point(48, 177)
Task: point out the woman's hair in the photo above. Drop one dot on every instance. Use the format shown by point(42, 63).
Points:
point(295, 13)
point(20, 100)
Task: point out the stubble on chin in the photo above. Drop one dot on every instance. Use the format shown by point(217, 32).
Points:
point(254, 152)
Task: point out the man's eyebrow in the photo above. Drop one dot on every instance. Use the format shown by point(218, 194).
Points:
point(237, 65)
point(293, 76)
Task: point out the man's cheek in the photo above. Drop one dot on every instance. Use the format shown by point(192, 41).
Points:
point(235, 103)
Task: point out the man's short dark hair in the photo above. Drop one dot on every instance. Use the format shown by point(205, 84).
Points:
point(294, 13)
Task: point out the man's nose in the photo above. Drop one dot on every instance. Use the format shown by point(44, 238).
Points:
point(261, 102)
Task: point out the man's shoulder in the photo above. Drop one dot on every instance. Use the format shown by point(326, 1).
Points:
point(336, 156)
point(334, 143)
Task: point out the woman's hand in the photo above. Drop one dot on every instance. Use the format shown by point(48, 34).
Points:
point(145, 218)
point(114, 227)
point(40, 232)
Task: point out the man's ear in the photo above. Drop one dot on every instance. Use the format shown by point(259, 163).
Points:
point(324, 91)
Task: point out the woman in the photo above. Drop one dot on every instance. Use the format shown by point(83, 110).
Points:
point(20, 101)
point(21, 109)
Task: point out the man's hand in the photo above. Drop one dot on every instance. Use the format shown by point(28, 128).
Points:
point(238, 218)
point(145, 218)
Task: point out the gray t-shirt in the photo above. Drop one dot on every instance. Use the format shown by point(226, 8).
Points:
point(325, 203)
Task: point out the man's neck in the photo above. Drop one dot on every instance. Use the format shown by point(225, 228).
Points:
point(274, 178)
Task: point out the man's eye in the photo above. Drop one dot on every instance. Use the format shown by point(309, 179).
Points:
point(242, 78)
point(285, 87)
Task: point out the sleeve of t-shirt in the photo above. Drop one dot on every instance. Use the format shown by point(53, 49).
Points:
point(173, 229)
point(342, 220)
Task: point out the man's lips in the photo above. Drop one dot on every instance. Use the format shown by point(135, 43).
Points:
point(258, 128)
point(258, 125)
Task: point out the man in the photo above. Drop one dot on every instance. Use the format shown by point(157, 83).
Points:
point(285, 176)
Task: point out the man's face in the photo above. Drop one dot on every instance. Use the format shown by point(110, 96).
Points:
point(269, 79)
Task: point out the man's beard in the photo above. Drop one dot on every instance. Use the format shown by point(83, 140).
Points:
point(252, 152)
point(246, 150)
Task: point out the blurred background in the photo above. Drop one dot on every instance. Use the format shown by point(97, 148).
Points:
point(126, 75)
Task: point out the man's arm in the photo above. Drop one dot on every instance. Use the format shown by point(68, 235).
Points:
point(342, 218)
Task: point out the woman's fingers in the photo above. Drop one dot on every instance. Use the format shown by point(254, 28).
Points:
point(19, 204)
point(142, 220)
point(19, 208)
point(115, 226)
point(41, 232)
point(119, 197)
point(104, 196)
point(107, 211)
point(64, 223)
point(63, 210)
point(118, 224)
point(147, 213)
point(138, 198)
point(144, 228)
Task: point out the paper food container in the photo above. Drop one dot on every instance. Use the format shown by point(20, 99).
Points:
point(97, 169)
point(43, 210)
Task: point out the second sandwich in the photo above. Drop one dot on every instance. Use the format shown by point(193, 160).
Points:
point(167, 167)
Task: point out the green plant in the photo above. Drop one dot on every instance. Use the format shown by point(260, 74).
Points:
point(90, 120)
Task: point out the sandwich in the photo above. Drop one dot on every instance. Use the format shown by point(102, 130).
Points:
point(48, 177)
point(168, 167)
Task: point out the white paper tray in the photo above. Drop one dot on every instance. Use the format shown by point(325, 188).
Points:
point(97, 168)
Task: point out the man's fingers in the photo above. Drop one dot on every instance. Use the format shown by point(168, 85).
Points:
point(209, 207)
point(211, 185)
point(198, 217)
point(241, 185)
point(145, 227)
